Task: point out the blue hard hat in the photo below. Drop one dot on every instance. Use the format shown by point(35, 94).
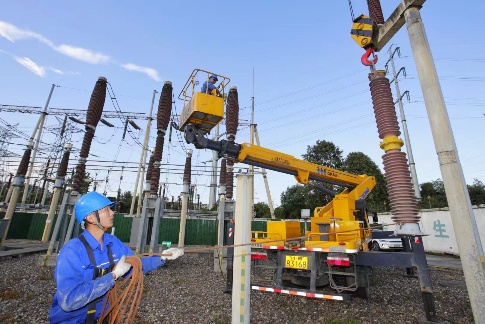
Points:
point(214, 76)
point(89, 203)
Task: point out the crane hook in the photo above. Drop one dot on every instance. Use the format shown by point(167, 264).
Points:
point(365, 58)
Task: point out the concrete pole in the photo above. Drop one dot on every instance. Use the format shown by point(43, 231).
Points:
point(9, 194)
point(11, 208)
point(213, 185)
point(265, 178)
point(39, 127)
point(183, 215)
point(143, 156)
point(55, 198)
point(467, 237)
point(407, 141)
point(241, 288)
point(251, 141)
point(44, 194)
point(51, 214)
point(185, 202)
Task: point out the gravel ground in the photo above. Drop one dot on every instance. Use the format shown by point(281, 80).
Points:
point(188, 291)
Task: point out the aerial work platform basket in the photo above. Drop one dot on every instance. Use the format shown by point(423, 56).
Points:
point(203, 109)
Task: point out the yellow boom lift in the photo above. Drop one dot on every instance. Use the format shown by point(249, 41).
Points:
point(339, 230)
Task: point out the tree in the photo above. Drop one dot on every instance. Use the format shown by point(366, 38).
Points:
point(433, 194)
point(299, 197)
point(476, 192)
point(261, 210)
point(359, 163)
point(279, 212)
point(328, 154)
point(324, 153)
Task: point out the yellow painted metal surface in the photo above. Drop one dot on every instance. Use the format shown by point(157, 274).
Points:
point(362, 31)
point(304, 170)
point(339, 215)
point(277, 232)
point(203, 110)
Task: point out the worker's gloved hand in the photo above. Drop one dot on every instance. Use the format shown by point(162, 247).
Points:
point(121, 267)
point(175, 253)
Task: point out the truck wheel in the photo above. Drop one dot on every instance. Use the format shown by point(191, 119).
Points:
point(375, 246)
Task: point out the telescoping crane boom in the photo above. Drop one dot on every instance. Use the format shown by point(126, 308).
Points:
point(347, 209)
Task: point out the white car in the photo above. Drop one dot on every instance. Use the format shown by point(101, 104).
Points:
point(385, 240)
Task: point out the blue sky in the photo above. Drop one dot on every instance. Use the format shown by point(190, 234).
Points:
point(308, 84)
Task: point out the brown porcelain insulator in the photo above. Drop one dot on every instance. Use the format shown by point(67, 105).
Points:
point(157, 157)
point(401, 194)
point(93, 114)
point(148, 177)
point(187, 170)
point(87, 140)
point(222, 177)
point(24, 163)
point(155, 179)
point(385, 113)
point(163, 118)
point(78, 176)
point(232, 114)
point(62, 169)
point(165, 106)
point(375, 11)
point(96, 103)
point(230, 179)
point(157, 153)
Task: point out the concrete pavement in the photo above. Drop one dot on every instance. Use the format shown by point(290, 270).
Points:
point(444, 261)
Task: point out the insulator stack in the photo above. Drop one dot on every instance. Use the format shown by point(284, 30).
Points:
point(232, 114)
point(222, 177)
point(404, 207)
point(230, 179)
point(187, 172)
point(232, 121)
point(93, 115)
point(401, 194)
point(148, 177)
point(24, 163)
point(386, 118)
point(62, 169)
point(163, 118)
point(375, 11)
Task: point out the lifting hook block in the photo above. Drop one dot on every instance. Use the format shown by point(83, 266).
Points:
point(365, 58)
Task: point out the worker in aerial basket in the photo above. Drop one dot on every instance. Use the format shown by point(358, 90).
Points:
point(209, 87)
point(87, 266)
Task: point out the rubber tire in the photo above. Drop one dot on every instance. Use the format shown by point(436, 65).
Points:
point(375, 246)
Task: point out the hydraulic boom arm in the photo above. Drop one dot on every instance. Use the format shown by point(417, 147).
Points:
point(284, 163)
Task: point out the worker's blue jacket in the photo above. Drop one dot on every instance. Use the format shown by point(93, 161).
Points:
point(204, 87)
point(76, 287)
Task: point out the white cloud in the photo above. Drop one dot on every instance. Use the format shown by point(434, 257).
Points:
point(12, 33)
point(83, 54)
point(63, 72)
point(31, 66)
point(152, 73)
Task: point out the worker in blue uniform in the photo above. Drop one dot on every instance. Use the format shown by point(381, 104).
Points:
point(87, 266)
point(209, 86)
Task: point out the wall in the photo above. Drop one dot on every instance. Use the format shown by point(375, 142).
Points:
point(437, 224)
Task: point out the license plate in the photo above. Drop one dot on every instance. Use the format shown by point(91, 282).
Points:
point(296, 262)
point(340, 249)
